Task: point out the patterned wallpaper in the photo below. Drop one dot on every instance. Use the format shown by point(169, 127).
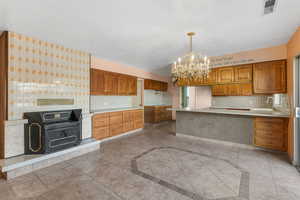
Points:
point(42, 70)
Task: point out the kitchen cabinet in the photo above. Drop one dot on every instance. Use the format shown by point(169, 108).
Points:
point(138, 117)
point(155, 85)
point(243, 73)
point(225, 75)
point(271, 133)
point(128, 120)
point(219, 90)
point(156, 114)
point(269, 77)
point(97, 82)
point(123, 85)
point(110, 83)
point(111, 124)
point(245, 89)
point(212, 77)
point(100, 126)
point(240, 89)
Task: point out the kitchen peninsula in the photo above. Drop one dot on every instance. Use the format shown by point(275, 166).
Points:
point(263, 128)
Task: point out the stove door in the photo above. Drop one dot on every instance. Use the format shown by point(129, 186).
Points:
point(62, 138)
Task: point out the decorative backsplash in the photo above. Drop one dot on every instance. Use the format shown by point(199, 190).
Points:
point(42, 70)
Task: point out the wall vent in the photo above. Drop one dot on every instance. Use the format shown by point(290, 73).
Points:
point(269, 6)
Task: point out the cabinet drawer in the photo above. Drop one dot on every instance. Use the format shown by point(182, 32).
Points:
point(100, 121)
point(271, 135)
point(270, 143)
point(115, 129)
point(270, 124)
point(101, 132)
point(116, 118)
point(128, 126)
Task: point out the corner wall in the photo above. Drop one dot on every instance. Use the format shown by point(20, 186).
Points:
point(293, 50)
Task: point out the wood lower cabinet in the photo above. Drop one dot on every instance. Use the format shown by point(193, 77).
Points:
point(156, 114)
point(269, 77)
point(271, 133)
point(100, 126)
point(115, 123)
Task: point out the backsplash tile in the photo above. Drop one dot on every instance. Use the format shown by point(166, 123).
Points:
point(42, 70)
point(242, 101)
point(105, 102)
point(152, 97)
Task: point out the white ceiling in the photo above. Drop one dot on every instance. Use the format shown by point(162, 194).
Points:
point(150, 34)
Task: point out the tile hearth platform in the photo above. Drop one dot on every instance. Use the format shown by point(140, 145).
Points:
point(168, 168)
point(24, 164)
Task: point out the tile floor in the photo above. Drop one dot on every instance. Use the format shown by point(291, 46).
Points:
point(155, 165)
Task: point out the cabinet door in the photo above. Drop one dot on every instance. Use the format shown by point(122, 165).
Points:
point(212, 77)
point(123, 85)
point(243, 73)
point(269, 77)
point(245, 89)
point(110, 83)
point(271, 133)
point(225, 75)
point(164, 86)
point(132, 86)
point(232, 90)
point(97, 82)
point(101, 132)
point(147, 84)
point(219, 90)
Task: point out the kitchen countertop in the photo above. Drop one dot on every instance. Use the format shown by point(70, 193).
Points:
point(252, 112)
point(116, 109)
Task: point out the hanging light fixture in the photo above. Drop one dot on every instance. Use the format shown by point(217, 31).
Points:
point(192, 66)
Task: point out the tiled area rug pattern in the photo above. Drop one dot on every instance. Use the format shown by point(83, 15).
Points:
point(182, 167)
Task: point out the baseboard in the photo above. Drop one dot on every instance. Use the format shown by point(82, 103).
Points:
point(121, 135)
point(245, 146)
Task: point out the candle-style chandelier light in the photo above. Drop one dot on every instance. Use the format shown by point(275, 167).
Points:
point(192, 66)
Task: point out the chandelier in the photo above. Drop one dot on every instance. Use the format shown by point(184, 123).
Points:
point(192, 66)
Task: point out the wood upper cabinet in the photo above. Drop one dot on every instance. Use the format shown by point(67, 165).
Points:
point(225, 75)
point(219, 90)
point(97, 82)
point(110, 83)
point(132, 86)
point(123, 85)
point(245, 89)
point(243, 73)
point(155, 85)
point(212, 77)
point(271, 133)
point(269, 77)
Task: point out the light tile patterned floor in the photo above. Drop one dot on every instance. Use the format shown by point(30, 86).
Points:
point(167, 168)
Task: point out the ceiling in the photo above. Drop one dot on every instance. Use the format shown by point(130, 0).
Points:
point(150, 34)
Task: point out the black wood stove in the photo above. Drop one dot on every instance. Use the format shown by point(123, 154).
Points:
point(52, 131)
